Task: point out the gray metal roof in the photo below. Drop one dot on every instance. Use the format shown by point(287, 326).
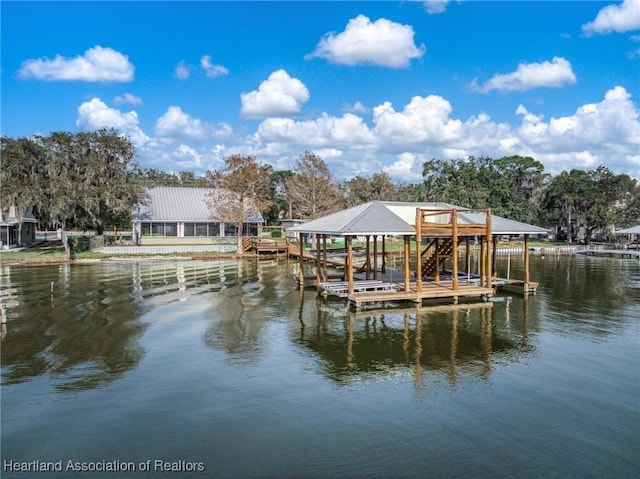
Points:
point(174, 204)
point(398, 218)
point(372, 218)
point(500, 225)
point(634, 230)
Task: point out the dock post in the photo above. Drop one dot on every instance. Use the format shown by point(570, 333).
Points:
point(324, 258)
point(418, 248)
point(383, 266)
point(407, 253)
point(454, 234)
point(467, 257)
point(436, 277)
point(489, 259)
point(318, 261)
point(368, 258)
point(375, 256)
point(526, 264)
point(347, 240)
point(301, 270)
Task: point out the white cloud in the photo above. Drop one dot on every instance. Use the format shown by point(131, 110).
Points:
point(619, 18)
point(210, 69)
point(357, 107)
point(128, 98)
point(383, 43)
point(610, 126)
point(603, 132)
point(184, 158)
point(279, 95)
point(180, 157)
point(407, 167)
point(95, 114)
point(325, 131)
point(607, 132)
point(635, 53)
point(435, 6)
point(556, 73)
point(177, 124)
point(423, 120)
point(182, 71)
point(98, 64)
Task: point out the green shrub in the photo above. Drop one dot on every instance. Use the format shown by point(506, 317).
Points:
point(79, 243)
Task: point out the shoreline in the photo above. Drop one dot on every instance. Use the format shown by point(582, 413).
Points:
point(537, 250)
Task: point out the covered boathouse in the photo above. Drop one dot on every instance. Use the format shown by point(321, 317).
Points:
point(438, 231)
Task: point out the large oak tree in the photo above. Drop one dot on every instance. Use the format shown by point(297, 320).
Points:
point(72, 179)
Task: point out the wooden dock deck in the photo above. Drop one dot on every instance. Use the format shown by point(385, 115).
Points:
point(376, 291)
point(430, 290)
point(261, 245)
point(341, 288)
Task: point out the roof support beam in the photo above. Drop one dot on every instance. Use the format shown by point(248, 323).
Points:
point(454, 251)
point(349, 265)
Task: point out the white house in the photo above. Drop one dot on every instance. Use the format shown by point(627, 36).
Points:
point(184, 215)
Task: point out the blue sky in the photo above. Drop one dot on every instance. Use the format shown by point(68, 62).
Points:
point(368, 86)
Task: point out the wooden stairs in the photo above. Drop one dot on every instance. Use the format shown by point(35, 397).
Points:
point(436, 253)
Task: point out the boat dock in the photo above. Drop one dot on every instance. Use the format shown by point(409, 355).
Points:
point(439, 235)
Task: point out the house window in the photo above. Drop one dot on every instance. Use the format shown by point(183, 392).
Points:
point(214, 229)
point(159, 229)
point(4, 235)
point(171, 229)
point(202, 229)
point(250, 229)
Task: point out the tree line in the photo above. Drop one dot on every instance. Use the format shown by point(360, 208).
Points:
point(90, 180)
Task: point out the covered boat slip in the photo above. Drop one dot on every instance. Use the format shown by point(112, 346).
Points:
point(437, 230)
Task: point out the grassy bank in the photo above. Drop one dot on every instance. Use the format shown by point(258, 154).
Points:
point(52, 252)
point(46, 252)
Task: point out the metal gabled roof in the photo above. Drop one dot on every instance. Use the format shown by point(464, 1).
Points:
point(372, 218)
point(634, 230)
point(398, 218)
point(175, 203)
point(407, 210)
point(500, 225)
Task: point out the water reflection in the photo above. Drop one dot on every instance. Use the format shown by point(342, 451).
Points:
point(81, 325)
point(76, 325)
point(596, 296)
point(265, 291)
point(448, 341)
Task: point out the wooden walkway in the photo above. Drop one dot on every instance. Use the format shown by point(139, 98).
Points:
point(611, 253)
point(266, 245)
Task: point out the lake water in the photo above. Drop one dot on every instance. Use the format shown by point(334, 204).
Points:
point(224, 369)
